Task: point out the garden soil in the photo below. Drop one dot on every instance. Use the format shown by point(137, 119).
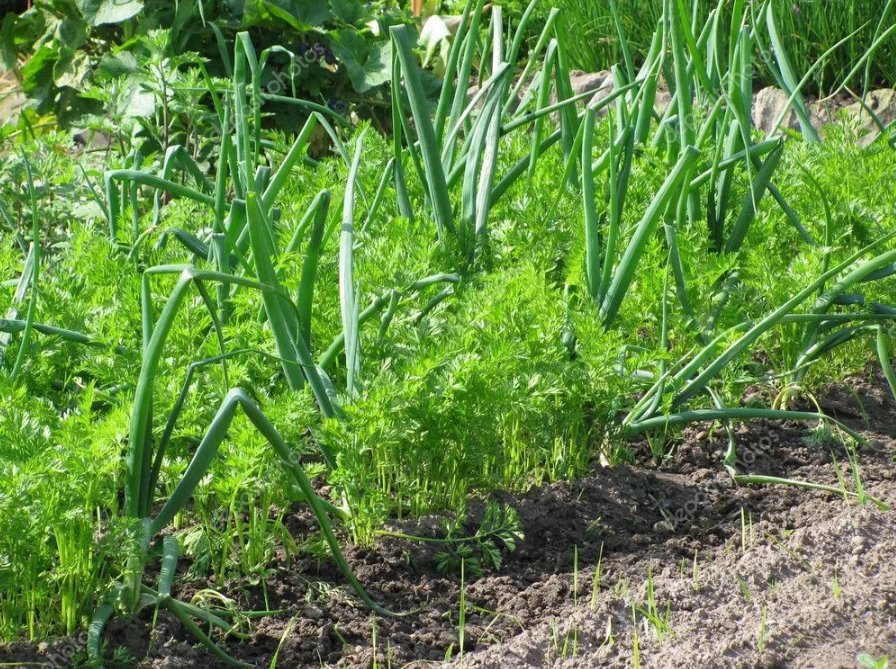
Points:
point(741, 576)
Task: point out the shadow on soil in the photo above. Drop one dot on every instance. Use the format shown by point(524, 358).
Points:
point(751, 576)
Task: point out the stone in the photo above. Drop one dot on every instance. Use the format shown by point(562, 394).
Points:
point(313, 613)
point(93, 140)
point(768, 104)
point(585, 82)
point(12, 99)
point(473, 89)
point(605, 90)
point(882, 104)
point(662, 100)
point(601, 83)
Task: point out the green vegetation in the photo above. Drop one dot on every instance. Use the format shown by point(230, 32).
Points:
point(589, 28)
point(508, 293)
point(869, 662)
point(335, 54)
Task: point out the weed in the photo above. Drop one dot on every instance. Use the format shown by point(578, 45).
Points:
point(596, 578)
point(746, 530)
point(462, 614)
point(654, 618)
point(869, 662)
point(500, 529)
point(743, 588)
point(762, 640)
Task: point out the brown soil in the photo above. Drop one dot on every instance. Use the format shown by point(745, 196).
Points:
point(785, 577)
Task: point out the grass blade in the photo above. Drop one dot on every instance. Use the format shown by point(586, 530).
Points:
point(35, 255)
point(697, 384)
point(758, 188)
point(592, 234)
point(347, 300)
point(885, 357)
point(625, 272)
point(305, 296)
point(435, 174)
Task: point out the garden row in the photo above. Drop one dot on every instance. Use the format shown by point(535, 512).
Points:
point(501, 291)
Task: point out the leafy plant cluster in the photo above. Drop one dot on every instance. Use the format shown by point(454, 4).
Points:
point(510, 286)
point(499, 530)
point(67, 53)
point(589, 30)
